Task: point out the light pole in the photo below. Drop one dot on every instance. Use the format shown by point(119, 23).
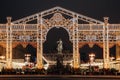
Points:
point(2, 57)
point(91, 60)
point(111, 60)
point(2, 61)
point(91, 57)
point(27, 58)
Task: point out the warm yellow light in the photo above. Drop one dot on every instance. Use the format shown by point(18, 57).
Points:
point(92, 55)
point(2, 57)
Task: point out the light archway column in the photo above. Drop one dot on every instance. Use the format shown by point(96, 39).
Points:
point(118, 51)
point(39, 42)
point(9, 43)
point(76, 57)
point(106, 58)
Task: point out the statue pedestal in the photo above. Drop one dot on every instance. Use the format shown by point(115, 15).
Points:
point(59, 63)
point(60, 58)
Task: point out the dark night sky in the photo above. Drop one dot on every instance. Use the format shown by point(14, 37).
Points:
point(93, 8)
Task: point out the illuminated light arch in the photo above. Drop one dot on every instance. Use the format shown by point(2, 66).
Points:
point(58, 28)
point(95, 31)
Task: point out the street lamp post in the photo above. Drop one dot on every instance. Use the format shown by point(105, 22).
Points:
point(2, 57)
point(2, 61)
point(111, 60)
point(27, 58)
point(91, 59)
